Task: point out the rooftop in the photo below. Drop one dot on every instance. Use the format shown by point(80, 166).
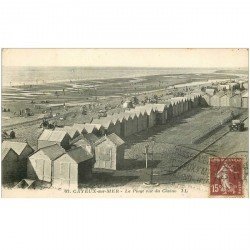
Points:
point(79, 154)
point(53, 151)
point(113, 138)
point(5, 151)
point(18, 147)
point(52, 135)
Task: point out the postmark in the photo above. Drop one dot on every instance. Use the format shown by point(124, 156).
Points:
point(226, 177)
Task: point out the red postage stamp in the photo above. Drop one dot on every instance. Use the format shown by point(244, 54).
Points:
point(226, 176)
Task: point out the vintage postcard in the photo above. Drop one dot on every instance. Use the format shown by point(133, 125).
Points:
point(147, 123)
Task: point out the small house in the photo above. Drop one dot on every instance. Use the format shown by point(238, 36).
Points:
point(51, 137)
point(40, 164)
point(72, 168)
point(10, 166)
point(109, 152)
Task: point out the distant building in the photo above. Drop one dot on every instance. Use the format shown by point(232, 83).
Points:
point(109, 152)
point(72, 168)
point(51, 137)
point(40, 164)
point(10, 166)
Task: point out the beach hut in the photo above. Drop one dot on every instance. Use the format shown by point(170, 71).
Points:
point(225, 101)
point(206, 98)
point(215, 100)
point(23, 150)
point(51, 137)
point(144, 117)
point(244, 100)
point(128, 125)
point(161, 114)
point(176, 106)
point(175, 112)
point(134, 122)
point(109, 125)
point(235, 101)
point(185, 104)
point(151, 115)
point(169, 111)
point(72, 168)
point(72, 131)
point(120, 118)
point(140, 121)
point(40, 164)
point(115, 126)
point(109, 152)
point(195, 98)
point(10, 166)
point(86, 141)
point(210, 92)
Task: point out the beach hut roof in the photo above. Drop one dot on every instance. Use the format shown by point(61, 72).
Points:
point(5, 151)
point(52, 135)
point(79, 126)
point(79, 154)
point(86, 138)
point(104, 121)
point(245, 95)
point(113, 138)
point(69, 129)
point(18, 147)
point(52, 151)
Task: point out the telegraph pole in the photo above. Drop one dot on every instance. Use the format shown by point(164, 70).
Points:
point(147, 153)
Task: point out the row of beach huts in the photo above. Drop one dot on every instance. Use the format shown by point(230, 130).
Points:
point(65, 157)
point(226, 99)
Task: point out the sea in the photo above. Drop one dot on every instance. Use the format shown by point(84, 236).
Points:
point(12, 76)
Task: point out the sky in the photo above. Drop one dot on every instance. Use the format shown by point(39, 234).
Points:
point(221, 58)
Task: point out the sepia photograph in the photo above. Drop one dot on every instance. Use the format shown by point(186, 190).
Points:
point(167, 123)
